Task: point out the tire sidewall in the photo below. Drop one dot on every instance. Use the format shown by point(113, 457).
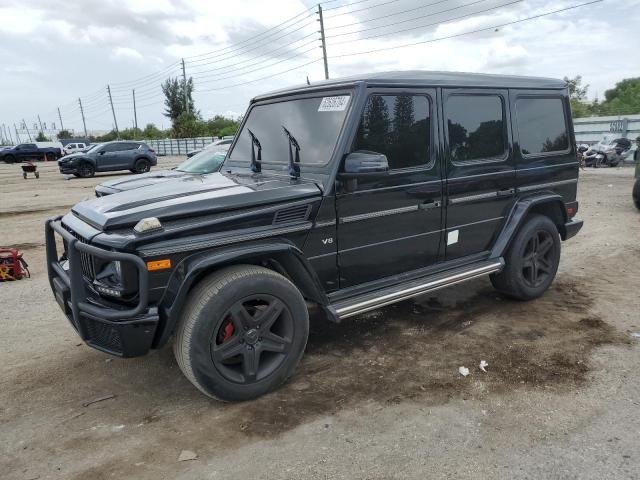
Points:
point(91, 168)
point(209, 316)
point(515, 258)
point(144, 163)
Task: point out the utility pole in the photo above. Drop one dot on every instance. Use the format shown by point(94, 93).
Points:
point(84, 123)
point(27, 129)
point(17, 134)
point(324, 43)
point(3, 134)
point(184, 87)
point(40, 123)
point(135, 114)
point(60, 117)
point(114, 113)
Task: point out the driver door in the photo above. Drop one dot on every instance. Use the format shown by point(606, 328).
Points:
point(391, 223)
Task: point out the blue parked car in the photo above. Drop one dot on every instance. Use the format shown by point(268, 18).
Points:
point(137, 157)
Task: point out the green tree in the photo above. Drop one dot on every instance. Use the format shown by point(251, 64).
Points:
point(42, 138)
point(151, 132)
point(623, 99)
point(62, 134)
point(578, 97)
point(174, 92)
point(188, 125)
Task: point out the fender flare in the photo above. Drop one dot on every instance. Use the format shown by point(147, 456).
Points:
point(284, 257)
point(519, 213)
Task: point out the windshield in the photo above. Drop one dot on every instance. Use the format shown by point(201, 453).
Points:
point(207, 161)
point(314, 122)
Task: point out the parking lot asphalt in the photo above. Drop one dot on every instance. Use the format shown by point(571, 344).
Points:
point(376, 397)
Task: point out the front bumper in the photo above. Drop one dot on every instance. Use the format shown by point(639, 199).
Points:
point(125, 332)
point(68, 167)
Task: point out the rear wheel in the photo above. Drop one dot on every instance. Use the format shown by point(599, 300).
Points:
point(636, 194)
point(532, 260)
point(50, 157)
point(9, 159)
point(242, 333)
point(86, 170)
point(142, 165)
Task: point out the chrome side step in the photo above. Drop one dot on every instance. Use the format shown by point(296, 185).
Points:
point(396, 293)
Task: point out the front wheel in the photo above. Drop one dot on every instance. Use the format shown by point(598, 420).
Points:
point(86, 170)
point(242, 333)
point(531, 263)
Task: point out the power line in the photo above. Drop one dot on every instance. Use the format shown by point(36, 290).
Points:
point(351, 4)
point(433, 40)
point(246, 49)
point(359, 9)
point(295, 55)
point(269, 52)
point(262, 78)
point(306, 14)
point(387, 16)
point(418, 18)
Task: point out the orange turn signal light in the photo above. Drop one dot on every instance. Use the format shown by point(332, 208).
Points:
point(159, 265)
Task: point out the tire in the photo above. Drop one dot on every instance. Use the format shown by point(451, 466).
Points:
point(636, 194)
point(142, 165)
point(216, 349)
point(9, 159)
point(50, 157)
point(531, 263)
point(86, 170)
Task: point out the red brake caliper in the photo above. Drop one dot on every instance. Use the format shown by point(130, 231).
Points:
point(227, 331)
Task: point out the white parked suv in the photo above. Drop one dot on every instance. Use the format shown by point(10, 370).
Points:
point(70, 148)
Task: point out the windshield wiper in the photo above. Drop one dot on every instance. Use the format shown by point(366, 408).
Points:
point(256, 164)
point(294, 166)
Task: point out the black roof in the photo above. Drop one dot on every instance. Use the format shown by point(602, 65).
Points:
point(414, 78)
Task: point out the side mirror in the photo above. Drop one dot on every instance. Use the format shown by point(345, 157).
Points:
point(365, 164)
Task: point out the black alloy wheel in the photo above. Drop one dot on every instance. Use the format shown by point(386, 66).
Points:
point(531, 261)
point(86, 170)
point(253, 339)
point(242, 332)
point(142, 166)
point(538, 259)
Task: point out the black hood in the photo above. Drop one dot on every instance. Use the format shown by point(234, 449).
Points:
point(143, 180)
point(192, 195)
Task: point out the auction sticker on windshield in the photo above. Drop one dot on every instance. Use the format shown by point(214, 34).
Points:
point(334, 104)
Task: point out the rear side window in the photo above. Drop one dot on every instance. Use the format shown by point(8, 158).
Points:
point(397, 126)
point(542, 125)
point(476, 128)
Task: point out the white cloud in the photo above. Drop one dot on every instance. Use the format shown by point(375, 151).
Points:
point(127, 53)
point(119, 41)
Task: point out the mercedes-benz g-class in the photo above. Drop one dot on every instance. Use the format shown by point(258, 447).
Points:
point(348, 195)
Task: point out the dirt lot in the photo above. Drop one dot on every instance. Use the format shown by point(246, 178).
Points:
point(376, 397)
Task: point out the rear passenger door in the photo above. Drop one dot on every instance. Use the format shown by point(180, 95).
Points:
point(545, 155)
point(480, 169)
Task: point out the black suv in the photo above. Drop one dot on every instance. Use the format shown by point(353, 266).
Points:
point(108, 157)
point(348, 195)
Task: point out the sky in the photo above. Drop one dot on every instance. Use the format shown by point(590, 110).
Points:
point(53, 52)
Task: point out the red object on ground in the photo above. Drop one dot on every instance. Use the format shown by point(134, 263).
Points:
point(12, 265)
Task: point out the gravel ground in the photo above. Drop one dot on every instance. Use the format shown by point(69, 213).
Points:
point(378, 396)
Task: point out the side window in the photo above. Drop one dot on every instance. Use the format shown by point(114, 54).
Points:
point(114, 147)
point(398, 126)
point(476, 128)
point(542, 125)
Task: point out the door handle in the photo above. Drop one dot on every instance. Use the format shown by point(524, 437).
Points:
point(507, 192)
point(430, 205)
